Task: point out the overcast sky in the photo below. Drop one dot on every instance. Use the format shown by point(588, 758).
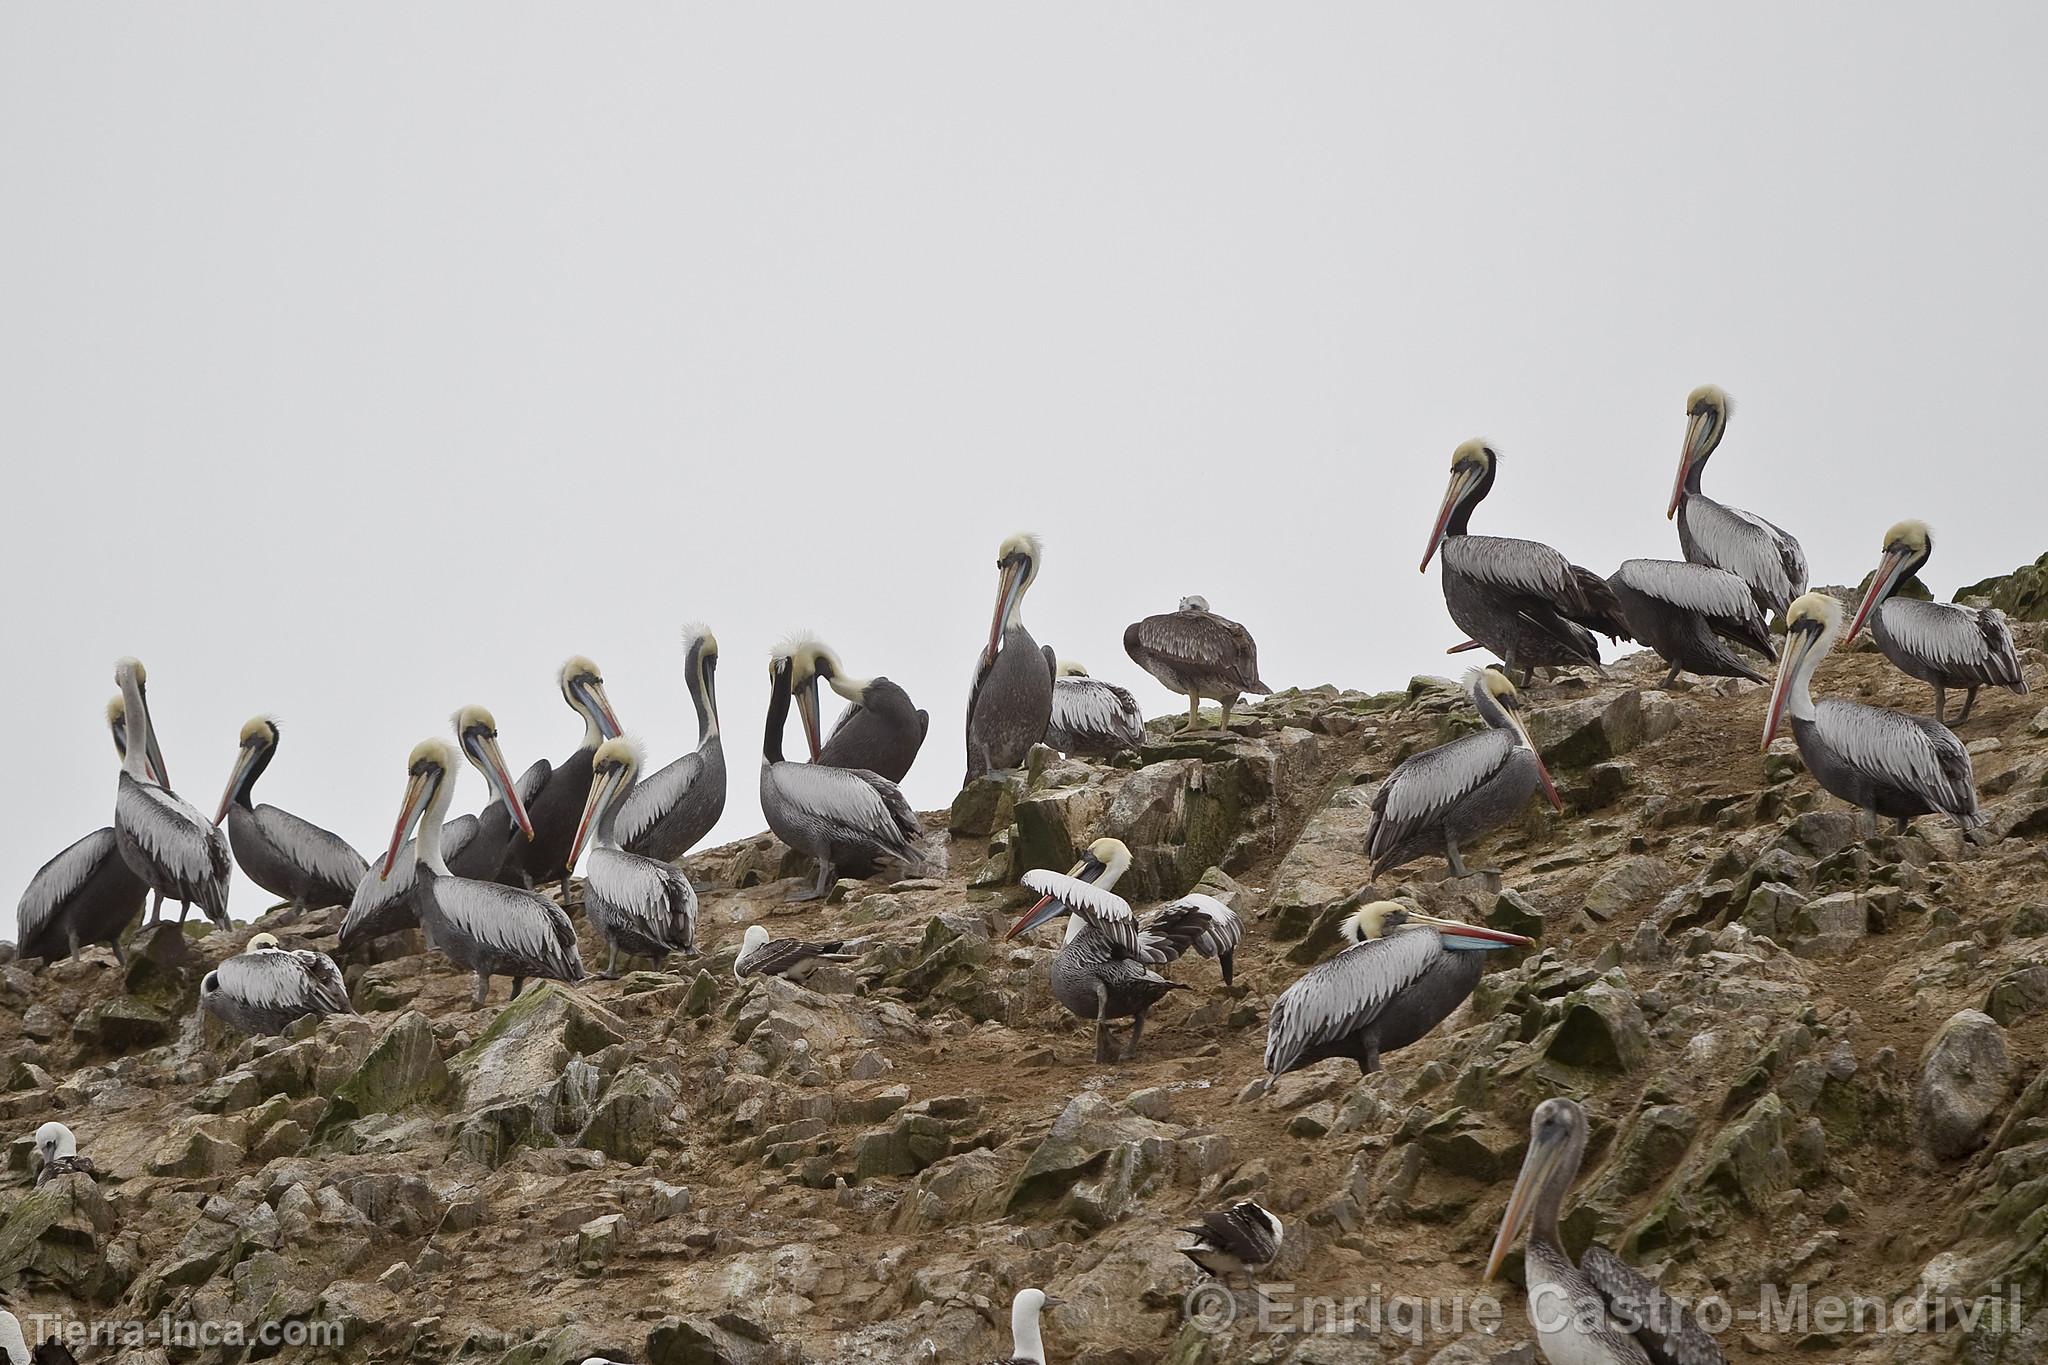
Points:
point(364, 361)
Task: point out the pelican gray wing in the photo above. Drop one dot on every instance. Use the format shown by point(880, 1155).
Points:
point(1527, 568)
point(1195, 922)
point(1106, 912)
point(1334, 999)
point(1200, 640)
point(849, 803)
point(1665, 1328)
point(649, 900)
point(383, 905)
point(782, 956)
point(1962, 642)
point(1759, 553)
point(1723, 601)
point(1422, 787)
point(456, 834)
point(320, 852)
point(510, 924)
point(1087, 712)
point(1913, 752)
point(59, 879)
point(274, 979)
point(173, 834)
point(655, 797)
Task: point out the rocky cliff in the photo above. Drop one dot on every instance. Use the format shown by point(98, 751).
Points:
point(1810, 1058)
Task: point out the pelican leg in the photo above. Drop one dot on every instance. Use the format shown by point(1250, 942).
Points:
point(1369, 1058)
point(1102, 1023)
point(1905, 826)
point(1137, 1029)
point(1451, 854)
point(818, 892)
point(1940, 697)
point(1194, 710)
point(156, 908)
point(1869, 823)
point(1226, 713)
point(1969, 700)
point(184, 909)
point(518, 985)
point(483, 988)
point(1670, 679)
point(611, 966)
point(119, 956)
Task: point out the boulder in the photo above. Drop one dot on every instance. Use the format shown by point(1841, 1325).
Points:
point(1965, 1074)
point(403, 1071)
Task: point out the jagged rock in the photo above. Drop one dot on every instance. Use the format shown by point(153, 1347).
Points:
point(1832, 926)
point(1602, 1028)
point(905, 1147)
point(1748, 1161)
point(199, 1147)
point(1083, 1138)
point(125, 1024)
point(1772, 910)
point(1625, 885)
point(402, 1071)
point(530, 1042)
point(2021, 594)
point(2020, 992)
point(1578, 734)
point(1964, 1076)
point(983, 806)
point(726, 1340)
point(58, 1234)
point(629, 1120)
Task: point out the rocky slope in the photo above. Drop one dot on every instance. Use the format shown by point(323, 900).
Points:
point(1809, 1057)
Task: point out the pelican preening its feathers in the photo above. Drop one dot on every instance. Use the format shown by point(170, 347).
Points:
point(1010, 702)
point(266, 989)
point(293, 859)
point(175, 850)
point(1090, 716)
point(1760, 554)
point(1943, 643)
point(1685, 612)
point(646, 907)
point(667, 813)
point(1198, 654)
point(881, 729)
point(87, 893)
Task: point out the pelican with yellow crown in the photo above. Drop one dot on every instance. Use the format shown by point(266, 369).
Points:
point(1943, 643)
point(163, 838)
point(1764, 556)
point(880, 730)
point(291, 858)
point(1010, 702)
point(668, 811)
point(86, 894)
point(554, 795)
point(642, 906)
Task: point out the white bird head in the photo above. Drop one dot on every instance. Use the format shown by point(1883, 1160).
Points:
point(254, 747)
point(54, 1142)
point(583, 688)
point(430, 777)
point(1017, 564)
point(1068, 668)
point(1907, 548)
point(476, 730)
point(1706, 420)
point(614, 768)
point(1472, 465)
point(1194, 603)
point(261, 943)
point(1812, 625)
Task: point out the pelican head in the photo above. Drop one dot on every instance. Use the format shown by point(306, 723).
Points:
point(583, 689)
point(614, 768)
point(812, 660)
point(1907, 548)
point(148, 764)
point(1557, 1143)
point(1472, 467)
point(700, 656)
point(1102, 864)
point(1377, 919)
point(258, 742)
point(261, 943)
point(1194, 604)
point(476, 730)
point(756, 935)
point(430, 770)
point(1500, 706)
point(1016, 566)
point(1068, 668)
point(1706, 421)
point(1812, 625)
point(54, 1142)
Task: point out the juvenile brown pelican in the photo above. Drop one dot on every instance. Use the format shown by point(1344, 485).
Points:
point(1447, 796)
point(666, 814)
point(880, 730)
point(555, 795)
point(293, 859)
point(57, 1149)
point(1198, 654)
point(1236, 1240)
point(1104, 969)
point(1601, 1311)
point(644, 906)
point(1027, 1347)
point(1010, 703)
point(491, 929)
point(1090, 716)
point(784, 957)
point(266, 989)
point(1725, 537)
point(1403, 975)
point(383, 903)
point(1524, 601)
point(86, 894)
point(1685, 611)
point(1884, 762)
point(1943, 643)
point(165, 841)
point(849, 820)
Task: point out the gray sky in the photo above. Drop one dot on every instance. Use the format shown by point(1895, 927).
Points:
point(366, 361)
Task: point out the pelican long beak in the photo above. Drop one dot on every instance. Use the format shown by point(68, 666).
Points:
point(1536, 1171)
point(152, 756)
point(601, 708)
point(418, 792)
point(1006, 589)
point(1462, 480)
point(1542, 768)
point(1457, 934)
point(1890, 570)
point(1051, 908)
point(500, 778)
point(600, 796)
point(807, 707)
point(1695, 437)
point(1798, 645)
point(244, 758)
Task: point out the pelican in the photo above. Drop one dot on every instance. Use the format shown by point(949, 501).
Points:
point(849, 820)
point(15, 1346)
point(1404, 973)
point(86, 894)
point(1943, 643)
point(384, 903)
point(1010, 703)
point(1601, 1311)
point(1199, 654)
point(492, 930)
point(166, 842)
point(1685, 611)
point(1238, 1239)
point(1090, 716)
point(665, 815)
point(266, 989)
point(1886, 763)
point(1027, 1347)
point(1709, 532)
point(58, 1150)
point(1447, 796)
point(1103, 971)
point(880, 730)
point(292, 859)
point(639, 904)
point(558, 792)
point(1524, 601)
point(784, 957)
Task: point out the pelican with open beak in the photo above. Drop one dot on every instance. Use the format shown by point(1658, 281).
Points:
point(1943, 643)
point(1760, 554)
point(642, 907)
point(1010, 703)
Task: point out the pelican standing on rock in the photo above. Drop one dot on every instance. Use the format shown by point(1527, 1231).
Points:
point(1579, 1311)
point(58, 1150)
point(1686, 611)
point(1404, 974)
point(644, 906)
point(1010, 703)
point(293, 859)
point(1199, 654)
point(1943, 643)
point(851, 821)
point(491, 929)
point(1090, 716)
point(1027, 1347)
point(266, 989)
point(881, 729)
point(177, 851)
point(1522, 600)
point(1438, 800)
point(784, 957)
point(1885, 763)
point(1744, 544)
point(86, 894)
point(557, 793)
point(665, 815)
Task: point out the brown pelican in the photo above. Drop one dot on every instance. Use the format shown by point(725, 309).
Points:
point(163, 839)
point(1104, 969)
point(1884, 762)
point(784, 957)
point(1027, 1347)
point(1524, 601)
point(1709, 532)
point(492, 930)
point(639, 904)
point(555, 795)
point(86, 894)
point(665, 815)
point(849, 820)
point(1685, 611)
point(1942, 643)
point(1403, 975)
point(1452, 794)
point(1090, 716)
point(1601, 1311)
point(1199, 654)
point(292, 859)
point(880, 730)
point(1236, 1240)
point(384, 903)
point(266, 989)
point(1010, 703)
point(57, 1148)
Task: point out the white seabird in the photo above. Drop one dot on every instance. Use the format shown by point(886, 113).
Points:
point(267, 988)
